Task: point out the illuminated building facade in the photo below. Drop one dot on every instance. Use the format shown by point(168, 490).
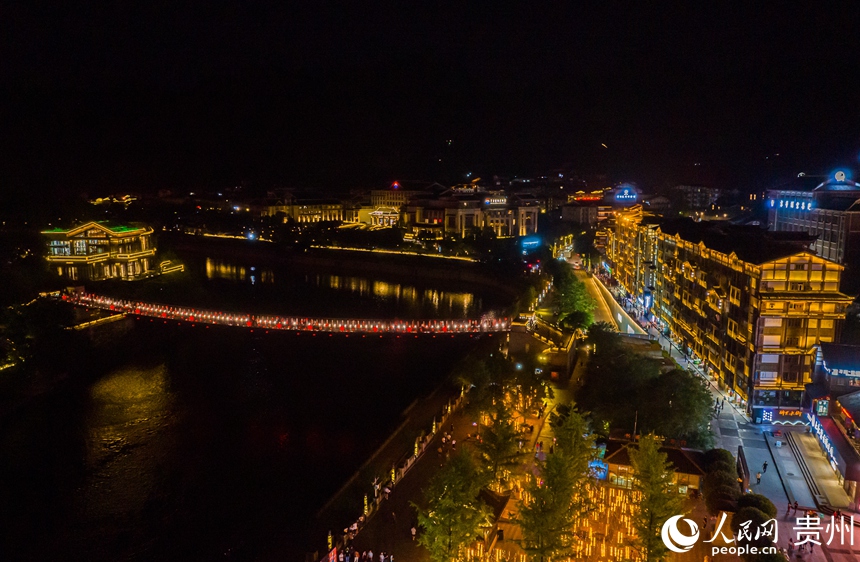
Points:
point(460, 215)
point(96, 251)
point(304, 210)
point(752, 306)
point(829, 210)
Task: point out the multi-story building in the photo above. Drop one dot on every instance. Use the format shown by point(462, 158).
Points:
point(400, 193)
point(829, 210)
point(584, 213)
point(459, 215)
point(303, 210)
point(98, 250)
point(697, 197)
point(753, 306)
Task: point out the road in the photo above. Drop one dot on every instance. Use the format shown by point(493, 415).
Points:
point(601, 310)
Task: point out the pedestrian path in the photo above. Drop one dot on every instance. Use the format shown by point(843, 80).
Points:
point(821, 472)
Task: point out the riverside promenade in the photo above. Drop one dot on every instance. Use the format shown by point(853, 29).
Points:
point(389, 529)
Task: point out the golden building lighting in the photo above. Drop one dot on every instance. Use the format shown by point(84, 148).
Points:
point(98, 250)
point(753, 306)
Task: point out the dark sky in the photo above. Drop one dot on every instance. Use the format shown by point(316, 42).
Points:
point(337, 95)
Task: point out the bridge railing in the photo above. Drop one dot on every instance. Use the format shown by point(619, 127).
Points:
point(289, 323)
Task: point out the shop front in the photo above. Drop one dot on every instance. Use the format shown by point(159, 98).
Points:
point(777, 416)
point(842, 456)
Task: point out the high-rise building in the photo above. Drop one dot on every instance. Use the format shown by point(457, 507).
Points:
point(752, 306)
point(829, 210)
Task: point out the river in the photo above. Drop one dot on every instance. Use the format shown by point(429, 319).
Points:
point(204, 443)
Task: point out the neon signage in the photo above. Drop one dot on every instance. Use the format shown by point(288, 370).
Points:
point(822, 435)
point(626, 194)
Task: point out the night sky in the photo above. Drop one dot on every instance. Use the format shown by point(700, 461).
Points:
point(149, 95)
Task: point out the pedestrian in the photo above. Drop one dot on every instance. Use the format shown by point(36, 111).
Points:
point(414, 531)
point(551, 449)
point(443, 439)
point(795, 506)
point(764, 467)
point(454, 444)
point(369, 556)
point(340, 556)
point(811, 546)
point(758, 477)
point(387, 491)
point(790, 547)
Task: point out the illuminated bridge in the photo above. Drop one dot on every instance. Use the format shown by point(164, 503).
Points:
point(289, 323)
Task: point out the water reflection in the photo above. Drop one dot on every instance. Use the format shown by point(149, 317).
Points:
point(218, 269)
point(335, 294)
point(412, 297)
point(129, 409)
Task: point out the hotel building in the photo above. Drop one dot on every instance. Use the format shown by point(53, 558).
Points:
point(752, 306)
point(97, 250)
point(829, 209)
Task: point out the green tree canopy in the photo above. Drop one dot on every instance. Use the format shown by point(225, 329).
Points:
point(499, 437)
point(654, 480)
point(454, 514)
point(759, 502)
point(560, 494)
point(718, 455)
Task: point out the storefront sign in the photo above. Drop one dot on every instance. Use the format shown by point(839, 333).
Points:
point(790, 413)
point(822, 436)
point(844, 373)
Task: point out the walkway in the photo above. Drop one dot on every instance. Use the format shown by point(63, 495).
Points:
point(289, 323)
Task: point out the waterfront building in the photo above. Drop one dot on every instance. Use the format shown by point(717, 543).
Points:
point(752, 306)
point(827, 208)
point(456, 214)
point(99, 250)
point(400, 193)
point(303, 210)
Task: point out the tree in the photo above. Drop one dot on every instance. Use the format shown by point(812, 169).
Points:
point(560, 495)
point(721, 491)
point(759, 502)
point(654, 479)
point(676, 405)
point(454, 514)
point(717, 455)
point(498, 439)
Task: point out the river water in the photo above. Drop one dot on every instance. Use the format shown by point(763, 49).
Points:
point(204, 443)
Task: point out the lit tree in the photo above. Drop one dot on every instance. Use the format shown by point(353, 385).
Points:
point(454, 514)
point(654, 479)
point(498, 439)
point(560, 494)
